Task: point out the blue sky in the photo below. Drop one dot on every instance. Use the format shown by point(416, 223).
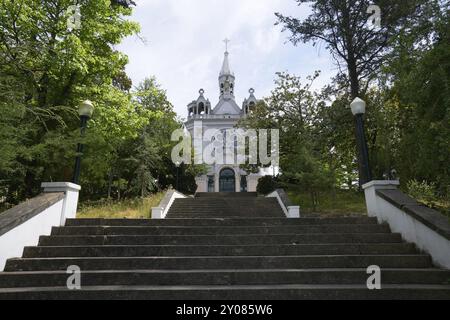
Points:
point(184, 47)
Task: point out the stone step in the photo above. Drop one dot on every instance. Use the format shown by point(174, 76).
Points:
point(223, 277)
point(218, 214)
point(191, 203)
point(218, 222)
point(225, 206)
point(362, 238)
point(254, 292)
point(208, 250)
point(230, 212)
point(226, 200)
point(230, 201)
point(417, 261)
point(219, 230)
point(226, 195)
point(186, 209)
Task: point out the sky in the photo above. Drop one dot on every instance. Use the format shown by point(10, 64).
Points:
point(181, 44)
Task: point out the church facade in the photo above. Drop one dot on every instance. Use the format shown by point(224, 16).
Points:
point(228, 177)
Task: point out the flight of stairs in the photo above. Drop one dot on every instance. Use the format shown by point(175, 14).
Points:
point(201, 253)
point(220, 205)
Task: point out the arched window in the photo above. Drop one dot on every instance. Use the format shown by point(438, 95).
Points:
point(201, 108)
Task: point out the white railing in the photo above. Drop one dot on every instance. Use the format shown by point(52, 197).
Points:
point(22, 225)
point(161, 211)
point(425, 227)
point(289, 210)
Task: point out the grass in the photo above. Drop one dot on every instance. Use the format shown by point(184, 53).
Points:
point(441, 205)
point(127, 208)
point(344, 203)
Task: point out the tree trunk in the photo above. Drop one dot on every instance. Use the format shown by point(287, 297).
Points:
point(314, 202)
point(110, 181)
point(353, 75)
point(351, 58)
point(350, 184)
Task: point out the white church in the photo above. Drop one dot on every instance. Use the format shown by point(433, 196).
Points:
point(225, 115)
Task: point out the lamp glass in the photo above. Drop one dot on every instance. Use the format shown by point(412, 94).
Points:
point(358, 106)
point(86, 109)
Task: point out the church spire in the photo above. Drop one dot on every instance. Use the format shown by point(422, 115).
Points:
point(226, 70)
point(226, 77)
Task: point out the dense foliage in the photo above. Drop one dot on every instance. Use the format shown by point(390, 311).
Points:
point(47, 67)
point(266, 185)
point(46, 70)
point(402, 72)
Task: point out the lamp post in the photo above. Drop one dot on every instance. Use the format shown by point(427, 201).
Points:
point(358, 107)
point(85, 110)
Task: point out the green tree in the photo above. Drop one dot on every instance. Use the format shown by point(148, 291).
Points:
point(293, 108)
point(420, 73)
point(46, 70)
point(342, 26)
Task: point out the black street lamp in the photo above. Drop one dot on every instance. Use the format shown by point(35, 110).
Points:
point(358, 107)
point(85, 110)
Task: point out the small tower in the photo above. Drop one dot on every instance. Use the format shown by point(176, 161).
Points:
point(199, 107)
point(226, 77)
point(249, 104)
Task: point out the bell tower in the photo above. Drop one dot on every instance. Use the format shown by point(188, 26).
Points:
point(226, 77)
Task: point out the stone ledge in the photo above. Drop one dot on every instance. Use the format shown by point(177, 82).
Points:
point(285, 203)
point(382, 184)
point(284, 198)
point(429, 217)
point(165, 201)
point(52, 187)
point(27, 210)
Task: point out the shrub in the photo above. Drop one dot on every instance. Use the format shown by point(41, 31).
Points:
point(266, 185)
point(422, 191)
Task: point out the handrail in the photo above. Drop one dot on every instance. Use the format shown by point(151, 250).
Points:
point(285, 203)
point(162, 210)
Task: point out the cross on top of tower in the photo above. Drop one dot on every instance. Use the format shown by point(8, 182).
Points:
point(227, 41)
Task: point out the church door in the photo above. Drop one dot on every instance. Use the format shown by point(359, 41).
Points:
point(227, 181)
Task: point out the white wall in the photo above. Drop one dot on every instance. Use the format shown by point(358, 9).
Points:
point(411, 229)
point(27, 233)
point(164, 207)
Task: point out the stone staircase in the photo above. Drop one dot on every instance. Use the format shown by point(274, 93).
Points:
point(223, 251)
point(220, 205)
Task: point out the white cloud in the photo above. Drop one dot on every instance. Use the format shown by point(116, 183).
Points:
point(184, 47)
